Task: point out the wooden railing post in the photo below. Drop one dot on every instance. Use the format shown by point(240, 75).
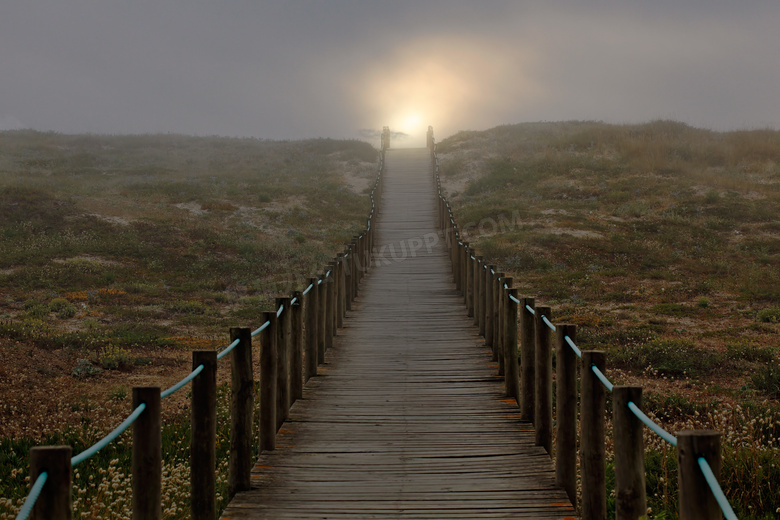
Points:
point(630, 494)
point(341, 290)
point(469, 284)
point(312, 328)
point(354, 264)
point(543, 379)
point(242, 401)
point(592, 454)
point(203, 447)
point(329, 285)
point(454, 252)
point(147, 455)
point(478, 318)
point(268, 383)
point(464, 277)
point(322, 318)
point(296, 339)
point(346, 260)
point(489, 300)
point(496, 308)
point(503, 295)
point(482, 296)
point(283, 361)
point(54, 502)
point(527, 359)
point(696, 498)
point(566, 411)
point(511, 368)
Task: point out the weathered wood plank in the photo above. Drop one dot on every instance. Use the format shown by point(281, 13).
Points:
point(408, 417)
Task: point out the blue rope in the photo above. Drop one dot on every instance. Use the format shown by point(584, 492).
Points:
point(547, 322)
point(183, 382)
point(573, 346)
point(665, 435)
point(280, 311)
point(261, 328)
point(514, 299)
point(601, 377)
point(530, 310)
point(309, 288)
point(84, 455)
point(29, 502)
point(723, 502)
point(229, 348)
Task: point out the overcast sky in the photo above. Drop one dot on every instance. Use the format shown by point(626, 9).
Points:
point(282, 69)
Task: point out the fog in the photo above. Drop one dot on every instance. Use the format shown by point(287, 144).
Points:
point(345, 68)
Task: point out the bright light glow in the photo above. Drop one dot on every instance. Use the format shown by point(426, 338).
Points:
point(446, 83)
point(411, 123)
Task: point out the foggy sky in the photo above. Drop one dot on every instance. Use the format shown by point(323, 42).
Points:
point(295, 69)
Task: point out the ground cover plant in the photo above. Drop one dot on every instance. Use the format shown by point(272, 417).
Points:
point(121, 254)
point(662, 242)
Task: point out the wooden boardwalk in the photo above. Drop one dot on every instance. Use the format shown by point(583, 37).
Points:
point(408, 417)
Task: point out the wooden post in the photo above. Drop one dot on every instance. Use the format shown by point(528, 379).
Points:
point(592, 454)
point(455, 257)
point(354, 263)
point(630, 494)
point(503, 297)
point(312, 327)
point(147, 455)
point(478, 319)
point(296, 339)
point(497, 292)
point(543, 378)
point(511, 368)
point(482, 296)
point(330, 307)
point(283, 361)
point(54, 502)
point(242, 401)
point(489, 311)
point(322, 318)
point(498, 349)
point(268, 383)
point(527, 357)
point(696, 498)
point(341, 290)
point(464, 279)
point(345, 270)
point(566, 412)
point(469, 284)
point(203, 447)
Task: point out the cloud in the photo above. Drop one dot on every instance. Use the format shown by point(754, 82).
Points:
point(299, 69)
point(10, 123)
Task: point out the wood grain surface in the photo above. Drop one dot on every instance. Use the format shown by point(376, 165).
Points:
point(407, 418)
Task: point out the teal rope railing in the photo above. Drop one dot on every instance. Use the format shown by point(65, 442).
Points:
point(37, 487)
point(654, 427)
point(32, 497)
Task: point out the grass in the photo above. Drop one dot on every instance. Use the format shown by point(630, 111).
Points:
point(661, 242)
point(121, 254)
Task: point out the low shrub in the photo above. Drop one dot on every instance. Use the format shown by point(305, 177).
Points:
point(62, 308)
point(667, 356)
point(767, 379)
point(770, 315)
point(112, 357)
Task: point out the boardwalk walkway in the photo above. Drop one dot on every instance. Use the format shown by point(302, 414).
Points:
point(408, 417)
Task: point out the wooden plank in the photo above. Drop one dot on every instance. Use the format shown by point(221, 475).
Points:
point(408, 417)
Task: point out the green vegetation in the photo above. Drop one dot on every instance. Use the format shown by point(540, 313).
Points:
point(120, 254)
point(660, 241)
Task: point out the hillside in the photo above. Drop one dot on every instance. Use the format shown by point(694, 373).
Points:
point(662, 242)
point(126, 252)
